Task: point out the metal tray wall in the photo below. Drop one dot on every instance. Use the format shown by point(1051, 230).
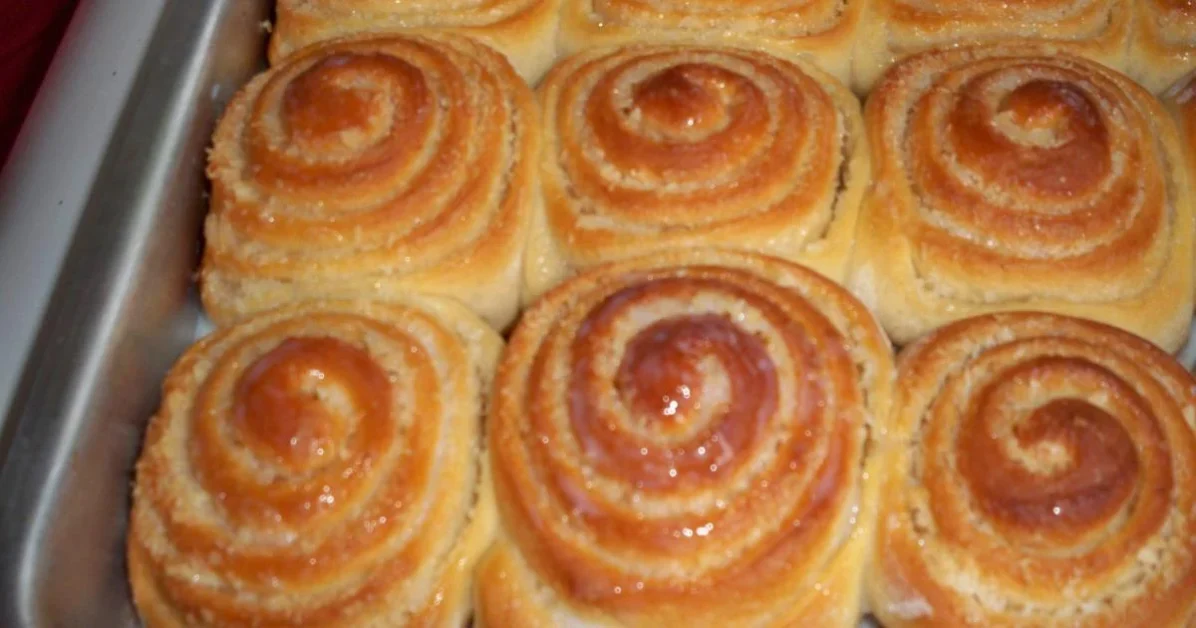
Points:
point(121, 312)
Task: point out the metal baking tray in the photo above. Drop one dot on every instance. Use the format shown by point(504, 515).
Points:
point(121, 306)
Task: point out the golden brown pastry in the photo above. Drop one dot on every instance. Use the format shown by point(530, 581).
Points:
point(1180, 99)
point(1043, 473)
point(318, 465)
point(1021, 177)
point(1164, 43)
point(524, 30)
point(659, 147)
point(371, 168)
point(894, 29)
point(686, 439)
point(822, 30)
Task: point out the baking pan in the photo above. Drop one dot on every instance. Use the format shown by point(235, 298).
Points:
point(120, 312)
point(122, 309)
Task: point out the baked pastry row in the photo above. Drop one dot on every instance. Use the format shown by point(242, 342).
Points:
point(978, 179)
point(696, 437)
point(1153, 40)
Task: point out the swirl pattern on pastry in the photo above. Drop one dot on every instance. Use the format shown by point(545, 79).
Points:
point(374, 166)
point(655, 147)
point(523, 30)
point(894, 29)
point(318, 465)
point(1020, 177)
point(1041, 474)
point(1164, 43)
point(686, 437)
point(823, 30)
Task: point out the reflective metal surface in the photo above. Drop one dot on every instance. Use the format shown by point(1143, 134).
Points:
point(122, 310)
point(48, 177)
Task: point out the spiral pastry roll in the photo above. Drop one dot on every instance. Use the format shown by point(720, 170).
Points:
point(823, 30)
point(369, 168)
point(1022, 178)
point(1164, 43)
point(318, 465)
point(894, 29)
point(660, 147)
point(686, 439)
point(523, 30)
point(1041, 474)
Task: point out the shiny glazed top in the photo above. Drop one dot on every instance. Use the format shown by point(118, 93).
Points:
point(1019, 174)
point(653, 147)
point(392, 154)
point(1044, 476)
point(314, 465)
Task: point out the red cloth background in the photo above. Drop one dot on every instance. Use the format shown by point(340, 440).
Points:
point(30, 31)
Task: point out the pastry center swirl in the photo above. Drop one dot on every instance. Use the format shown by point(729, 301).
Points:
point(345, 102)
point(297, 405)
point(1053, 465)
point(1090, 467)
point(679, 373)
point(1030, 177)
point(686, 98)
point(689, 122)
point(1049, 459)
point(1044, 136)
point(345, 120)
point(680, 433)
point(696, 389)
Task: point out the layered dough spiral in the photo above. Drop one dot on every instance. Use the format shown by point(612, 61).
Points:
point(524, 30)
point(318, 465)
point(652, 147)
point(894, 29)
point(1043, 473)
point(1021, 177)
point(822, 30)
point(1164, 43)
point(373, 167)
point(686, 439)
